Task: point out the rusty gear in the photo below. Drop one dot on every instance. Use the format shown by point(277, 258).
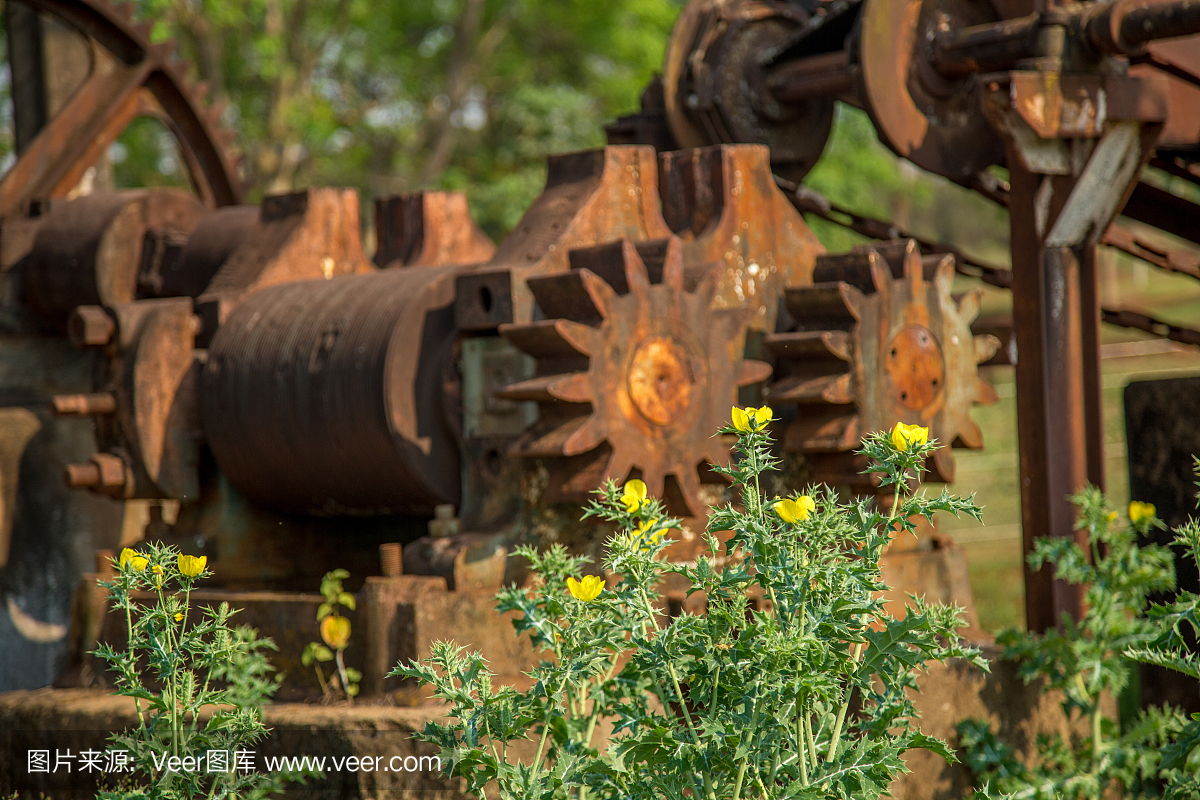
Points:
point(877, 340)
point(659, 370)
point(130, 77)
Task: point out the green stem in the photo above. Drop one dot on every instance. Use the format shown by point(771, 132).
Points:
point(172, 678)
point(137, 703)
point(737, 787)
point(835, 736)
point(812, 745)
point(802, 756)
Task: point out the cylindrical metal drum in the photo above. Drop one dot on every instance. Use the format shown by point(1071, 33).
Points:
point(90, 250)
point(326, 396)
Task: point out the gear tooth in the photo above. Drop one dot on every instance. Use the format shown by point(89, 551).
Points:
point(969, 436)
point(968, 307)
point(986, 346)
point(637, 277)
point(689, 486)
point(123, 10)
point(201, 89)
point(142, 30)
point(944, 275)
point(673, 264)
point(944, 467)
point(881, 273)
point(588, 437)
point(598, 289)
point(985, 393)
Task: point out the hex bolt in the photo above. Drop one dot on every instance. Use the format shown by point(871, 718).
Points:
point(90, 326)
point(391, 559)
point(79, 405)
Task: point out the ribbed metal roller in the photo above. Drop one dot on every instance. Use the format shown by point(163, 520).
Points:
point(326, 396)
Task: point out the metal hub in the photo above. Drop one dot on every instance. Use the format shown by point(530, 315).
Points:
point(660, 379)
point(915, 365)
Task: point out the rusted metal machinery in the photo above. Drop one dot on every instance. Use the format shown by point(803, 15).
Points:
point(246, 383)
point(1072, 98)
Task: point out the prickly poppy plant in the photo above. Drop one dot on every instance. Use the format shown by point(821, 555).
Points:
point(196, 682)
point(751, 699)
point(1157, 752)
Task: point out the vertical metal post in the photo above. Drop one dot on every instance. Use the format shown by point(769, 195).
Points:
point(1050, 388)
point(1093, 405)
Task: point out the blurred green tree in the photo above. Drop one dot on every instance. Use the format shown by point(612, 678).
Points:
point(469, 94)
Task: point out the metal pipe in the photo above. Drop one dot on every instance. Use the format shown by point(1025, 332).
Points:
point(811, 77)
point(1126, 26)
point(1119, 28)
point(985, 48)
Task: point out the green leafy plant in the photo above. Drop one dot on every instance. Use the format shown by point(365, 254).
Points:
point(198, 684)
point(335, 633)
point(794, 682)
point(1156, 753)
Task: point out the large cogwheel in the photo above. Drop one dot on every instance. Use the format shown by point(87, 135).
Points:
point(635, 373)
point(129, 77)
point(870, 348)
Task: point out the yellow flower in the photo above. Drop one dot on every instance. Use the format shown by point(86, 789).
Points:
point(751, 419)
point(192, 566)
point(133, 560)
point(335, 631)
point(1139, 511)
point(587, 589)
point(905, 436)
point(1112, 516)
point(642, 532)
point(797, 510)
point(157, 569)
point(635, 496)
point(178, 617)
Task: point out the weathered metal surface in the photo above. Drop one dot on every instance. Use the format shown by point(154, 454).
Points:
point(312, 233)
point(652, 379)
point(724, 205)
point(90, 250)
point(591, 197)
point(467, 561)
point(326, 396)
point(882, 341)
point(152, 374)
point(428, 228)
point(716, 90)
point(1056, 221)
point(130, 77)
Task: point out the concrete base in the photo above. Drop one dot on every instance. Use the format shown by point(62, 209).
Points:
point(79, 719)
